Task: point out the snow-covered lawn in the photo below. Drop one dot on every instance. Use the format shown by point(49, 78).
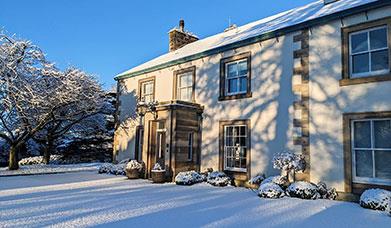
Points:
point(51, 168)
point(88, 199)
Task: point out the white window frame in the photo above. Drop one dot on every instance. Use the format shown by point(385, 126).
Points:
point(180, 87)
point(236, 77)
point(143, 91)
point(367, 180)
point(236, 169)
point(190, 145)
point(369, 51)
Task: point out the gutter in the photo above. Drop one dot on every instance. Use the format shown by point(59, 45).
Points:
point(262, 37)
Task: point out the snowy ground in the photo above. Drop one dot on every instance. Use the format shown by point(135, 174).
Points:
point(88, 199)
point(46, 169)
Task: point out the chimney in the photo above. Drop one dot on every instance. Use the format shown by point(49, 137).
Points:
point(325, 2)
point(178, 37)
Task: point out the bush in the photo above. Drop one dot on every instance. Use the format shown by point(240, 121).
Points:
point(326, 193)
point(54, 159)
point(303, 190)
point(289, 161)
point(109, 168)
point(218, 179)
point(133, 164)
point(188, 178)
point(270, 190)
point(376, 199)
point(281, 181)
point(257, 180)
point(157, 167)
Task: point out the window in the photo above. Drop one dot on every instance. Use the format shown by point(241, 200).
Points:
point(366, 52)
point(235, 77)
point(371, 151)
point(147, 90)
point(235, 147)
point(190, 146)
point(369, 52)
point(139, 143)
point(184, 84)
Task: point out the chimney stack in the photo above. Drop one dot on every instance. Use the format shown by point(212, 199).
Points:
point(178, 37)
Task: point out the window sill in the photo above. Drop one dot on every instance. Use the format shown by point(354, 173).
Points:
point(358, 188)
point(369, 79)
point(235, 97)
point(237, 170)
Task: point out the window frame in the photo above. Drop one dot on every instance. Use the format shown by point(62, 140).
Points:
point(373, 149)
point(224, 95)
point(176, 75)
point(234, 156)
point(352, 186)
point(346, 32)
point(240, 173)
point(141, 84)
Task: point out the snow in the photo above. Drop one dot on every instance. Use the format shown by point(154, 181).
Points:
point(133, 164)
point(88, 199)
point(51, 168)
point(189, 178)
point(288, 18)
point(377, 199)
point(304, 190)
point(218, 179)
point(54, 159)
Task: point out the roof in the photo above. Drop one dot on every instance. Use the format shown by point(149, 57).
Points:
point(289, 21)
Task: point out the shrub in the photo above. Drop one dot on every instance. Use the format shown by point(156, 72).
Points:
point(270, 190)
point(281, 181)
point(326, 193)
point(257, 180)
point(289, 161)
point(218, 179)
point(303, 190)
point(188, 178)
point(54, 159)
point(157, 167)
point(133, 164)
point(376, 199)
point(109, 168)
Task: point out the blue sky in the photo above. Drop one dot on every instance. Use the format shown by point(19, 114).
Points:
point(106, 37)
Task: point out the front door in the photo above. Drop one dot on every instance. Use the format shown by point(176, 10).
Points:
point(157, 144)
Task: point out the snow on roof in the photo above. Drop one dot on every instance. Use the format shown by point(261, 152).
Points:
point(279, 21)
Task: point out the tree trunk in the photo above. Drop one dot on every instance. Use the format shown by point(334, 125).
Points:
point(13, 158)
point(48, 151)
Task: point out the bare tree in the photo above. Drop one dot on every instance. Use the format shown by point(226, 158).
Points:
point(85, 100)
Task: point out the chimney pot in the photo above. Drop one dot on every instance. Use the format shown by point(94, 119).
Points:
point(182, 25)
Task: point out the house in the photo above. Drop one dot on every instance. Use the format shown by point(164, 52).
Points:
point(315, 80)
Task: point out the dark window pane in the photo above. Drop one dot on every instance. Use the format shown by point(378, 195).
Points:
point(359, 42)
point(229, 131)
point(232, 70)
point(237, 163)
point(243, 68)
point(243, 84)
point(243, 163)
point(243, 152)
point(362, 134)
point(383, 164)
point(382, 132)
point(232, 85)
point(364, 163)
point(242, 141)
point(229, 141)
point(242, 130)
point(378, 38)
point(360, 63)
point(379, 60)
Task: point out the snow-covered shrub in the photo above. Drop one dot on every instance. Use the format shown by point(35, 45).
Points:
point(287, 160)
point(109, 168)
point(303, 190)
point(54, 159)
point(218, 179)
point(326, 193)
point(389, 208)
point(133, 164)
point(270, 190)
point(157, 168)
point(188, 178)
point(376, 199)
point(257, 180)
point(281, 181)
